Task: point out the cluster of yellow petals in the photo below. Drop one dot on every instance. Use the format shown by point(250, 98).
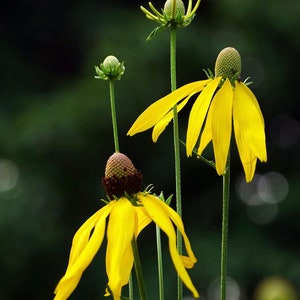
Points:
point(219, 105)
point(125, 222)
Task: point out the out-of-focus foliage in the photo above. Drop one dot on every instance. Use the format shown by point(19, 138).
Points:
point(56, 135)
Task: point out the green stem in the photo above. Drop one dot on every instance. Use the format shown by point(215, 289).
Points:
point(225, 220)
point(208, 162)
point(114, 115)
point(138, 270)
point(130, 287)
point(173, 57)
point(160, 264)
point(176, 146)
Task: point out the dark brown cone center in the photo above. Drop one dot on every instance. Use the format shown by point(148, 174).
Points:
point(119, 186)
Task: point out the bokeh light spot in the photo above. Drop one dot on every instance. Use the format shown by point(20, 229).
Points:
point(248, 192)
point(274, 287)
point(9, 175)
point(262, 195)
point(273, 187)
point(233, 290)
point(262, 214)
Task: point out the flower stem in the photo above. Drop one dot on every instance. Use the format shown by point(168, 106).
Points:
point(208, 162)
point(114, 115)
point(138, 270)
point(176, 147)
point(225, 220)
point(130, 287)
point(160, 264)
point(137, 262)
point(173, 57)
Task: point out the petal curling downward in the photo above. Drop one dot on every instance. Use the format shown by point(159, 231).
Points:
point(248, 116)
point(222, 125)
point(198, 114)
point(85, 245)
point(156, 111)
point(159, 215)
point(119, 257)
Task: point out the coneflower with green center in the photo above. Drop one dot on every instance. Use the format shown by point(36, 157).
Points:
point(128, 211)
point(223, 100)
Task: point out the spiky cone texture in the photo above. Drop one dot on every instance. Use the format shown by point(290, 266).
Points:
point(121, 177)
point(228, 63)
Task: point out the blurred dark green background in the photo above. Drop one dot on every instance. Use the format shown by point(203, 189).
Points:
point(55, 138)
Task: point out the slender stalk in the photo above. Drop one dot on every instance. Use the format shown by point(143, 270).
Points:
point(225, 221)
point(160, 264)
point(137, 262)
point(114, 115)
point(138, 270)
point(130, 287)
point(177, 169)
point(176, 147)
point(173, 57)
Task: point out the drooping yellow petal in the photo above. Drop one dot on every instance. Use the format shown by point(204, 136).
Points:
point(159, 215)
point(247, 114)
point(142, 219)
point(206, 135)
point(82, 237)
point(247, 157)
point(83, 234)
point(163, 123)
point(119, 257)
point(156, 111)
point(198, 113)
point(222, 125)
point(173, 215)
point(84, 247)
point(187, 261)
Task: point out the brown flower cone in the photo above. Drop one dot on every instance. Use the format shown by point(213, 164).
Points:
point(121, 177)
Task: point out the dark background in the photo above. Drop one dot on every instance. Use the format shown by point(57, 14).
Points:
point(56, 135)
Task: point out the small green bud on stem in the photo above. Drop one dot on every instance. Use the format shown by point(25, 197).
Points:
point(110, 69)
point(174, 9)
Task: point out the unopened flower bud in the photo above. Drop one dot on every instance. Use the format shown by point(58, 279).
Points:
point(174, 12)
point(228, 64)
point(110, 69)
point(121, 176)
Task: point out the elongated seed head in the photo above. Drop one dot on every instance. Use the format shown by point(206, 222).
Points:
point(228, 63)
point(121, 177)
